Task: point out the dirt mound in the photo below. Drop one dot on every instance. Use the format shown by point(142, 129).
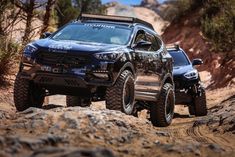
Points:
point(223, 120)
point(152, 17)
point(59, 131)
point(144, 13)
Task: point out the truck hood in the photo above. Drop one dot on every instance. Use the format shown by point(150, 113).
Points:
point(68, 46)
point(180, 70)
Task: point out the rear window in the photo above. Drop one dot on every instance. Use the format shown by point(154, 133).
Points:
point(179, 58)
point(95, 32)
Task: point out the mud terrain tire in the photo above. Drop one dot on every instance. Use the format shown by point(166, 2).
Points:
point(27, 94)
point(162, 112)
point(191, 109)
point(72, 101)
point(200, 104)
point(120, 96)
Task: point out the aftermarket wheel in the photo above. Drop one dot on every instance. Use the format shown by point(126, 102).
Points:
point(200, 104)
point(27, 94)
point(162, 112)
point(121, 95)
point(72, 101)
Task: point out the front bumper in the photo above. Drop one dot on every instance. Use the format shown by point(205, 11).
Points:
point(184, 83)
point(185, 89)
point(184, 98)
point(96, 74)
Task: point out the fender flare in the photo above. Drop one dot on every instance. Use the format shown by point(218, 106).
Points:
point(168, 78)
point(127, 65)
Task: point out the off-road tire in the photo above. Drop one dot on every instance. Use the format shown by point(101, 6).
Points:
point(72, 101)
point(158, 111)
point(200, 104)
point(191, 109)
point(115, 95)
point(27, 94)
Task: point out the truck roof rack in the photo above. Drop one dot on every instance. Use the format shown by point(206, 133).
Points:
point(112, 18)
point(173, 46)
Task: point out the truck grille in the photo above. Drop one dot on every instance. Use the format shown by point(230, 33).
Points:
point(55, 80)
point(177, 82)
point(181, 83)
point(50, 58)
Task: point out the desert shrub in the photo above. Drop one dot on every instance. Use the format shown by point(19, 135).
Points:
point(68, 10)
point(178, 8)
point(8, 52)
point(183, 6)
point(218, 23)
point(65, 12)
point(39, 14)
point(216, 19)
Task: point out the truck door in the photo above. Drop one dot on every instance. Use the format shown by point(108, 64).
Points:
point(148, 68)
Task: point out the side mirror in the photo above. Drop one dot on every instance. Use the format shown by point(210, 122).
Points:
point(143, 44)
point(197, 61)
point(45, 35)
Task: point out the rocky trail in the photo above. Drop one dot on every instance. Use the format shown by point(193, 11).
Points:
point(95, 131)
point(58, 131)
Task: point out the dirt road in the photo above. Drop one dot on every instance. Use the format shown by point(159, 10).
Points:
point(95, 131)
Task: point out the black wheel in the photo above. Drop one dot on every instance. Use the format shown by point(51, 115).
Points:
point(72, 101)
point(191, 109)
point(162, 112)
point(200, 104)
point(121, 95)
point(27, 94)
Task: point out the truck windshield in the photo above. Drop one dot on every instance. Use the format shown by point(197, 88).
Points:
point(179, 58)
point(95, 33)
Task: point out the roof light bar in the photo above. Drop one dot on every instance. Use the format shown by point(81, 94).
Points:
point(107, 17)
point(113, 18)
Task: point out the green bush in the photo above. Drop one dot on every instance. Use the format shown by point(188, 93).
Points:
point(216, 18)
point(68, 10)
point(8, 52)
point(218, 24)
point(65, 12)
point(183, 7)
point(179, 8)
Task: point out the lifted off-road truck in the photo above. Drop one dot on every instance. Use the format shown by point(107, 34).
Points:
point(117, 59)
point(188, 87)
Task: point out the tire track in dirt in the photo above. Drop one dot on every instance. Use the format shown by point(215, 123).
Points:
point(202, 135)
point(191, 132)
point(196, 130)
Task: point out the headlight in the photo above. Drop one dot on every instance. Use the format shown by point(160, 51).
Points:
point(114, 55)
point(191, 74)
point(29, 49)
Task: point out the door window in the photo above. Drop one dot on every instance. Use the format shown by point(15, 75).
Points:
point(140, 36)
point(155, 44)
